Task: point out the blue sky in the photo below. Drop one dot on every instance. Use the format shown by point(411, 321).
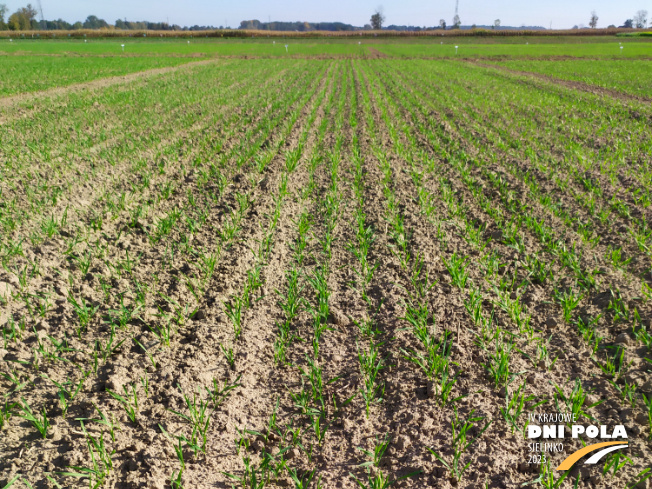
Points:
point(562, 13)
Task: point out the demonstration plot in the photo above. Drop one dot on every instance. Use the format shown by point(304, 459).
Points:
point(325, 273)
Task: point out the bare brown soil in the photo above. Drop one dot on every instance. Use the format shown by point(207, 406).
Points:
point(94, 84)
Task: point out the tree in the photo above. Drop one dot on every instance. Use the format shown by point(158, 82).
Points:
point(456, 22)
point(93, 22)
point(377, 19)
point(23, 19)
point(3, 12)
point(496, 24)
point(629, 23)
point(442, 24)
point(640, 19)
point(593, 23)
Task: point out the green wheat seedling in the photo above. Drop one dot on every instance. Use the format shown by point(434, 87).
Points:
point(538, 271)
point(66, 394)
point(228, 355)
point(641, 477)
point(242, 441)
point(176, 479)
point(281, 342)
point(6, 412)
point(129, 401)
point(420, 278)
point(375, 455)
point(254, 281)
point(41, 423)
point(460, 443)
point(498, 366)
point(219, 394)
point(178, 447)
point(615, 255)
point(647, 401)
point(302, 481)
point(315, 379)
point(516, 405)
point(641, 334)
point(619, 307)
point(542, 354)
point(456, 267)
point(399, 235)
point(586, 327)
point(417, 315)
point(371, 363)
point(614, 362)
point(568, 301)
point(318, 281)
point(84, 262)
point(123, 315)
point(434, 363)
point(303, 225)
point(547, 477)
point(199, 419)
point(11, 331)
point(164, 330)
point(85, 312)
point(109, 348)
point(230, 229)
point(146, 350)
point(292, 303)
point(613, 463)
point(111, 424)
point(253, 477)
point(627, 392)
point(101, 461)
point(379, 480)
point(234, 310)
point(575, 402)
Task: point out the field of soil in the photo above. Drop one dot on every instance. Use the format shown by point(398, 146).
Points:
point(329, 273)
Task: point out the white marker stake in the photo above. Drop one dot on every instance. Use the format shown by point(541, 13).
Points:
point(456, 49)
point(286, 48)
point(123, 47)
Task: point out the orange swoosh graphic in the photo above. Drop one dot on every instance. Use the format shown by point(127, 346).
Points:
point(574, 457)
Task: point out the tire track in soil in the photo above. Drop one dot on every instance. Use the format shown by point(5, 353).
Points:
point(6, 102)
point(572, 84)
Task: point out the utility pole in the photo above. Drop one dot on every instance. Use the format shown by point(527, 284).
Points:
point(40, 9)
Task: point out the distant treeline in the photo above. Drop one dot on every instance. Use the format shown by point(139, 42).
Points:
point(297, 26)
point(360, 34)
point(24, 19)
point(341, 27)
